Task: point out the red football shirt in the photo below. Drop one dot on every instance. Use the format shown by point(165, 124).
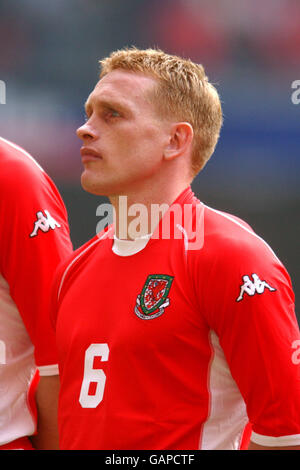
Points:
point(179, 341)
point(34, 239)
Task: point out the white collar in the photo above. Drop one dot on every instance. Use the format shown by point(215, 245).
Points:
point(130, 247)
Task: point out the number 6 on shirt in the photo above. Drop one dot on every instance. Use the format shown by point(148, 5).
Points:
point(95, 376)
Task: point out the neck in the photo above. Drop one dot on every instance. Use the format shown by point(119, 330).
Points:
point(137, 215)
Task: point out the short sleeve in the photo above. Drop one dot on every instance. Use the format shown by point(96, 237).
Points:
point(34, 239)
point(250, 305)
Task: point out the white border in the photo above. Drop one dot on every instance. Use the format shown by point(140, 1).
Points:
point(48, 370)
point(271, 441)
point(227, 418)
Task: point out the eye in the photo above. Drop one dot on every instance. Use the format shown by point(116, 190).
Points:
point(112, 113)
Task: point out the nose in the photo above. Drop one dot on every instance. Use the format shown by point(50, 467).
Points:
point(85, 132)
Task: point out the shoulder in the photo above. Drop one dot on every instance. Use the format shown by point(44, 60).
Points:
point(20, 172)
point(230, 237)
point(231, 249)
point(23, 182)
point(15, 159)
point(237, 264)
point(234, 256)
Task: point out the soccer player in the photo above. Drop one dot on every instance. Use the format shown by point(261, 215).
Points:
point(178, 334)
point(34, 239)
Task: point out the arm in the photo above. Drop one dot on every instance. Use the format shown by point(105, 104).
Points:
point(31, 250)
point(257, 331)
point(46, 403)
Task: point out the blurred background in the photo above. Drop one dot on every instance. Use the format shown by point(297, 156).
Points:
point(49, 54)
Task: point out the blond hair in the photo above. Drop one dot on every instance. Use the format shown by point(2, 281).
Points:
point(183, 93)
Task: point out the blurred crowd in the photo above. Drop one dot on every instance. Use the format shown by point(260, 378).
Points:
point(224, 34)
point(60, 35)
point(49, 55)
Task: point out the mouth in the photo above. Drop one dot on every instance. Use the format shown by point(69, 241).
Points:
point(89, 155)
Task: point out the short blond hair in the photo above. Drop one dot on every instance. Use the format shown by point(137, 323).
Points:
point(183, 93)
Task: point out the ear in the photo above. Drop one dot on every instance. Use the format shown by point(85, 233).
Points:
point(180, 140)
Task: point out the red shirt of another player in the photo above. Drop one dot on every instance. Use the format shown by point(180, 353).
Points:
point(34, 239)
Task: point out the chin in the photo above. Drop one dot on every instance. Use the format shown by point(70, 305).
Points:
point(92, 185)
point(89, 184)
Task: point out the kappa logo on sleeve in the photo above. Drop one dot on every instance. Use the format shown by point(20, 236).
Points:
point(253, 287)
point(44, 223)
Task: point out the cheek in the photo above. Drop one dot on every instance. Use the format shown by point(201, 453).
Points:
point(146, 141)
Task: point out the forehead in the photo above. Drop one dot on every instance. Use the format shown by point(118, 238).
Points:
point(124, 86)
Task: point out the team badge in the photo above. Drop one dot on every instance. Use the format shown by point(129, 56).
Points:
point(153, 299)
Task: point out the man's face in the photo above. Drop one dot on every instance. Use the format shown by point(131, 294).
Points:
point(123, 138)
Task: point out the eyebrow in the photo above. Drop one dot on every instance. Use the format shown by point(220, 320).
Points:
point(105, 104)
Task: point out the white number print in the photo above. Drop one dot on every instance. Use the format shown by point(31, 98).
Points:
point(296, 354)
point(93, 376)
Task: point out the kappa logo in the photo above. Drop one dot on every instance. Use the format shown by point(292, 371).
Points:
point(253, 287)
point(44, 222)
point(153, 299)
